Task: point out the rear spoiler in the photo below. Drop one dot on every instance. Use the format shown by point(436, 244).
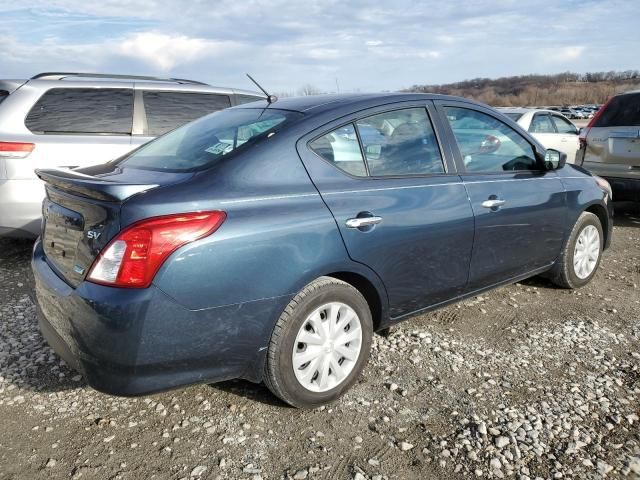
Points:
point(89, 186)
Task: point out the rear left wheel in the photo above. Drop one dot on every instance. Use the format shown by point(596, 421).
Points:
point(320, 344)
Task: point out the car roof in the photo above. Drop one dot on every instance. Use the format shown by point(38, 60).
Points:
point(321, 103)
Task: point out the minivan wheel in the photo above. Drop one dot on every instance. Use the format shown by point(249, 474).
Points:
point(320, 344)
point(580, 257)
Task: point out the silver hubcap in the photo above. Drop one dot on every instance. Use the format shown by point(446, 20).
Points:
point(587, 251)
point(327, 347)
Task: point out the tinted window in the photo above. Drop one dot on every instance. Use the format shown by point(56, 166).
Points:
point(83, 111)
point(209, 139)
point(541, 123)
point(341, 148)
point(169, 110)
point(242, 99)
point(401, 142)
point(563, 125)
point(622, 111)
point(488, 145)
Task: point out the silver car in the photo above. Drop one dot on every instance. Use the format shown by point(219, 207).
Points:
point(76, 119)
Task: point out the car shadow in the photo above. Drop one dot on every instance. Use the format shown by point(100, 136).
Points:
point(256, 392)
point(626, 214)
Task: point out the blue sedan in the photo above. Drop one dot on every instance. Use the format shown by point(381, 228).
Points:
point(271, 240)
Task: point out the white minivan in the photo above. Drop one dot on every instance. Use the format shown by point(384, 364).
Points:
point(81, 119)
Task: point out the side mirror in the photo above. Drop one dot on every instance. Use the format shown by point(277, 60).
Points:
point(554, 160)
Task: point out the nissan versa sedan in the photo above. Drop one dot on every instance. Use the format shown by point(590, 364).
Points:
point(270, 241)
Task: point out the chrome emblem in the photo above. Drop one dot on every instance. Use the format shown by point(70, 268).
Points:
point(93, 234)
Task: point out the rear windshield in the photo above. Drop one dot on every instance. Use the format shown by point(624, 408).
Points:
point(622, 111)
point(3, 94)
point(513, 116)
point(201, 143)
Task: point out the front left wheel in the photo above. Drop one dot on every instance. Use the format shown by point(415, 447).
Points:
point(320, 344)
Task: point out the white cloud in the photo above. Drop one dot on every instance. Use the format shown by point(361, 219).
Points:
point(165, 52)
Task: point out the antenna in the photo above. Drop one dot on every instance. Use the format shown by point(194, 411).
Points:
point(270, 98)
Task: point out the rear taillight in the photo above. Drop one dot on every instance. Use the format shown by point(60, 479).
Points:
point(582, 138)
point(134, 256)
point(15, 149)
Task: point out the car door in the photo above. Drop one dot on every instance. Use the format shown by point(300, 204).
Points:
point(399, 204)
point(519, 206)
point(567, 137)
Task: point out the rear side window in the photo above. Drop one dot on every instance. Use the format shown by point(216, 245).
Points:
point(341, 147)
point(622, 111)
point(3, 94)
point(169, 110)
point(541, 123)
point(400, 142)
point(83, 111)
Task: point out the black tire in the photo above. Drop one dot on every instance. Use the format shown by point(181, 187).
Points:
point(563, 273)
point(279, 374)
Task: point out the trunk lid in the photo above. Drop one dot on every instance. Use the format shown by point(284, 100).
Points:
point(81, 212)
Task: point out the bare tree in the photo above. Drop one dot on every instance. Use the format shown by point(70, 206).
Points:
point(309, 89)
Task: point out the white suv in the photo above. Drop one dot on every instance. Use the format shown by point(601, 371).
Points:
point(81, 119)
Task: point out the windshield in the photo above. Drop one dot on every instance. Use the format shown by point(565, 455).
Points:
point(513, 116)
point(205, 141)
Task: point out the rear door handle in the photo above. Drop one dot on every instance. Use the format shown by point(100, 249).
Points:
point(362, 222)
point(493, 203)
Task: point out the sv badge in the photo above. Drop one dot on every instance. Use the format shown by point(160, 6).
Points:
point(92, 234)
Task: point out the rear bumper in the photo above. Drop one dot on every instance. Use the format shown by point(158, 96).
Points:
point(137, 341)
point(21, 210)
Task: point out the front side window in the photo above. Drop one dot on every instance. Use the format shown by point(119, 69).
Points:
point(563, 125)
point(487, 145)
point(341, 148)
point(83, 111)
point(208, 140)
point(169, 110)
point(541, 123)
point(400, 142)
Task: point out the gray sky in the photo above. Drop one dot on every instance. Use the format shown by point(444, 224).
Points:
point(286, 44)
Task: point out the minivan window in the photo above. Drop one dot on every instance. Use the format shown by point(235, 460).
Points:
point(205, 141)
point(622, 111)
point(83, 111)
point(169, 110)
point(242, 99)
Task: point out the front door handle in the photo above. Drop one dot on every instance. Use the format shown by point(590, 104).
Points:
point(362, 222)
point(493, 203)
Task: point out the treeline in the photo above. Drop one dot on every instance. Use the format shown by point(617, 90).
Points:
point(532, 90)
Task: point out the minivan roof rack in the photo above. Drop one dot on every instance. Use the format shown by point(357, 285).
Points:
point(62, 75)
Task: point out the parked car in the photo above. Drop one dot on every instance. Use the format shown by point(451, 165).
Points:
point(254, 243)
point(73, 119)
point(550, 128)
point(610, 145)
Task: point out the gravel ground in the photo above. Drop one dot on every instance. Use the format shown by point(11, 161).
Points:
point(528, 381)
